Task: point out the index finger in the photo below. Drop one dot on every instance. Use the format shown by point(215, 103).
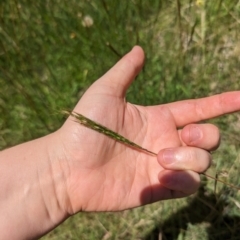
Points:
point(195, 110)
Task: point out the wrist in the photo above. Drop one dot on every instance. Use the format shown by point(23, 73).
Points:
point(30, 192)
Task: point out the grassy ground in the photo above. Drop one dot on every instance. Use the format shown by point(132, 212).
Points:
point(51, 51)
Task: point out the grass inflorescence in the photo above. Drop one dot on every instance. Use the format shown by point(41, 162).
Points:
point(106, 131)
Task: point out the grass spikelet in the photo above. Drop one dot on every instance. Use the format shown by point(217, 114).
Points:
point(106, 131)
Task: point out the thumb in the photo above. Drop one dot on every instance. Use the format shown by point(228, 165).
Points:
point(121, 75)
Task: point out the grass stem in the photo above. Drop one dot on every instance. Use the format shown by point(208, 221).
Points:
point(117, 137)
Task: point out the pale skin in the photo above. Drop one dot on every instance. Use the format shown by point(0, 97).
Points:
point(45, 181)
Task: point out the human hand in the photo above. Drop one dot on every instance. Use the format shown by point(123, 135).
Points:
point(101, 174)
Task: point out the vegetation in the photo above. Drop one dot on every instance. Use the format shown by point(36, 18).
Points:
point(52, 50)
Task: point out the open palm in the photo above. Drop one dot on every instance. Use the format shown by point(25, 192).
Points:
point(104, 175)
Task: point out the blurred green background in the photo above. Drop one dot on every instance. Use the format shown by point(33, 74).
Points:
point(50, 53)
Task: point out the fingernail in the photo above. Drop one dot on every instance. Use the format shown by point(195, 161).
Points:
point(168, 156)
point(195, 134)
